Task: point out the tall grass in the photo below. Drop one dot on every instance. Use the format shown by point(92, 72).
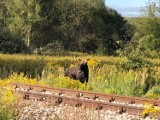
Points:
point(106, 78)
point(105, 74)
point(7, 100)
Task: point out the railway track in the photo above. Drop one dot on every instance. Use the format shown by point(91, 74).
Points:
point(79, 98)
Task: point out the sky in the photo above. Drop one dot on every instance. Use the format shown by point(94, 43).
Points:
point(126, 3)
point(127, 8)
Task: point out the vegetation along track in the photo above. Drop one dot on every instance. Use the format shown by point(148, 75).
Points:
point(79, 98)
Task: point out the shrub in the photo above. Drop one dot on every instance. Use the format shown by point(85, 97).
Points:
point(54, 48)
point(12, 44)
point(154, 92)
point(30, 67)
point(151, 110)
point(7, 100)
point(21, 78)
point(65, 82)
point(135, 61)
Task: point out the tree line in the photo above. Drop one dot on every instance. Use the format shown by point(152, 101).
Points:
point(146, 39)
point(71, 25)
point(87, 26)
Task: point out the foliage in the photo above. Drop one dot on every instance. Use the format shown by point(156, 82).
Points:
point(149, 42)
point(7, 100)
point(146, 38)
point(30, 67)
point(40, 23)
point(135, 56)
point(150, 80)
point(109, 79)
point(21, 79)
point(65, 82)
point(104, 78)
point(95, 27)
point(104, 75)
point(152, 9)
point(21, 15)
point(150, 109)
point(54, 48)
point(11, 44)
point(134, 63)
point(154, 92)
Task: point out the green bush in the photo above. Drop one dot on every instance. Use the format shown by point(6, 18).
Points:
point(135, 63)
point(11, 44)
point(7, 102)
point(7, 112)
point(29, 67)
point(154, 92)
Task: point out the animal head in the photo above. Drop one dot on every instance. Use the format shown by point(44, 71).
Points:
point(82, 66)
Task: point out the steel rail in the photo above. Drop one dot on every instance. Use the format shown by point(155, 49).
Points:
point(87, 94)
point(55, 99)
point(79, 98)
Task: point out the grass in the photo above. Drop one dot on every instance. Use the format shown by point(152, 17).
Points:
point(105, 76)
point(7, 100)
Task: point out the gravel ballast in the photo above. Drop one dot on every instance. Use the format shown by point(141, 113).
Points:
point(37, 110)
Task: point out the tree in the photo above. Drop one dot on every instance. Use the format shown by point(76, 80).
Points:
point(76, 25)
point(152, 9)
point(146, 40)
point(83, 25)
point(150, 41)
point(21, 15)
point(11, 44)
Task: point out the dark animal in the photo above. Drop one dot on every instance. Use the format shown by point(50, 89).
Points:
point(81, 72)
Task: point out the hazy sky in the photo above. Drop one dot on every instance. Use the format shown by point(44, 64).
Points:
point(128, 8)
point(126, 3)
